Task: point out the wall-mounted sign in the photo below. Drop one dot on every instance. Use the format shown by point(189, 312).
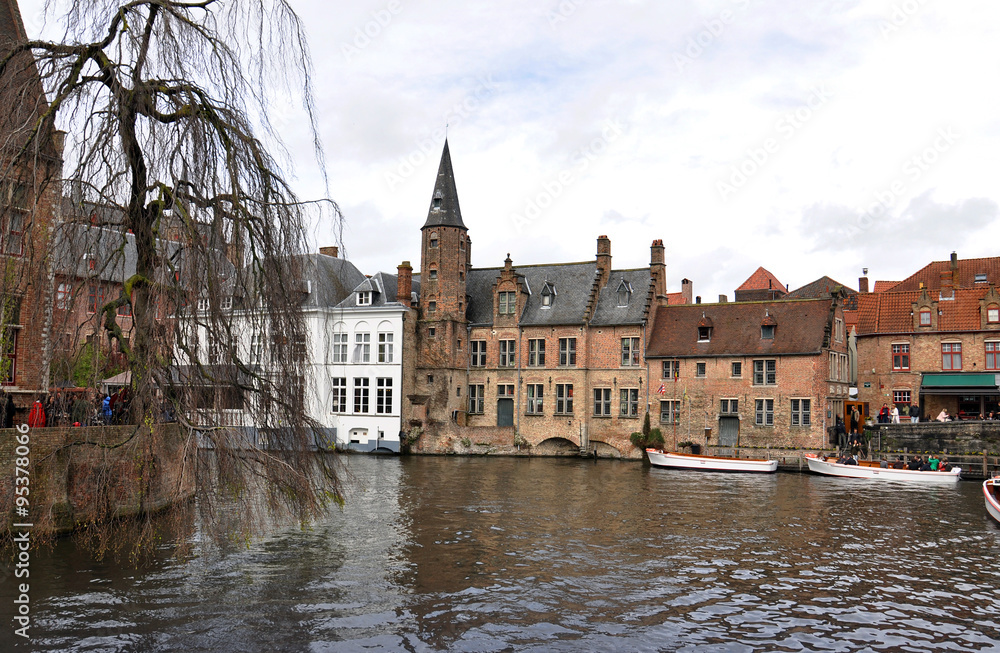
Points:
point(868, 384)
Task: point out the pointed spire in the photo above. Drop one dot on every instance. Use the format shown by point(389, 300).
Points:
point(11, 26)
point(444, 210)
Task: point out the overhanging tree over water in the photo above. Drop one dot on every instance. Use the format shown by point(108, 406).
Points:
point(165, 104)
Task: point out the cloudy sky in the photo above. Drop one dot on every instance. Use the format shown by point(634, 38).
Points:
point(812, 138)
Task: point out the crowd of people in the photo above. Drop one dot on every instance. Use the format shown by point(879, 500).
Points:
point(71, 407)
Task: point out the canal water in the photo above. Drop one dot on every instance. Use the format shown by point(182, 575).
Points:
point(521, 554)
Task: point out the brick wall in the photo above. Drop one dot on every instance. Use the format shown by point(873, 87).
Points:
point(68, 483)
point(959, 438)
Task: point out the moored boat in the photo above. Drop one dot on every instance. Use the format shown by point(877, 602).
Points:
point(991, 492)
point(709, 463)
point(829, 466)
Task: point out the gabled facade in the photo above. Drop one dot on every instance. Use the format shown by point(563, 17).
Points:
point(933, 341)
point(364, 368)
point(540, 355)
point(760, 286)
point(761, 374)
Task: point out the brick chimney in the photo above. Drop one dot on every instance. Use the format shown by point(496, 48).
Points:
point(604, 259)
point(329, 251)
point(687, 290)
point(404, 283)
point(657, 268)
point(954, 270)
point(863, 283)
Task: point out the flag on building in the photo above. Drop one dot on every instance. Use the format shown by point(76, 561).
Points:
point(662, 389)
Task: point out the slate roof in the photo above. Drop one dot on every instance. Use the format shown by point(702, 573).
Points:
point(761, 279)
point(801, 328)
point(383, 286)
point(332, 279)
point(930, 274)
point(572, 282)
point(823, 288)
point(890, 312)
point(444, 209)
point(608, 311)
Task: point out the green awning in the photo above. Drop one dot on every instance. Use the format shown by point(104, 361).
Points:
point(960, 383)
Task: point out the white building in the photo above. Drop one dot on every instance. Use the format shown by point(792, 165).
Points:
point(364, 378)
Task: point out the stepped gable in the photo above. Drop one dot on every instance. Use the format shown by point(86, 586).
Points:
point(801, 327)
point(612, 305)
point(444, 210)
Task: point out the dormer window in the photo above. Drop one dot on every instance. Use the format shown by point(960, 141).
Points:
point(624, 293)
point(704, 329)
point(981, 277)
point(548, 295)
point(767, 326)
point(436, 202)
point(365, 298)
point(993, 314)
point(507, 303)
point(925, 318)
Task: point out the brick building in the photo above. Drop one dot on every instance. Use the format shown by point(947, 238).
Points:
point(544, 355)
point(760, 286)
point(763, 374)
point(29, 206)
point(933, 340)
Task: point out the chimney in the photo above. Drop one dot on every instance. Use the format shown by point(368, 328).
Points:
point(657, 268)
point(863, 283)
point(687, 290)
point(329, 251)
point(604, 259)
point(722, 299)
point(697, 300)
point(954, 270)
point(404, 283)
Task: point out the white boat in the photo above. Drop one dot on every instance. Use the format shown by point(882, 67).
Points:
point(991, 492)
point(868, 469)
point(709, 463)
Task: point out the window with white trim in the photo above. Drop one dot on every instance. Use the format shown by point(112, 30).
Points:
point(765, 372)
point(339, 403)
point(630, 352)
point(671, 369)
point(385, 347)
point(951, 355)
point(901, 356)
point(339, 347)
point(362, 347)
point(383, 396)
point(361, 387)
point(992, 354)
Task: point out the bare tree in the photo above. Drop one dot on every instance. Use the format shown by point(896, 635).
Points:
point(170, 153)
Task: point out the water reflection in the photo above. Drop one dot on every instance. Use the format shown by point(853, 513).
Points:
point(479, 554)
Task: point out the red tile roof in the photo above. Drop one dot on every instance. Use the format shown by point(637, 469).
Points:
point(891, 312)
point(882, 286)
point(802, 327)
point(930, 275)
point(674, 298)
point(761, 279)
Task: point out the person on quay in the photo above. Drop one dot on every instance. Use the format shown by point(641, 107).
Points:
point(883, 415)
point(943, 416)
point(855, 419)
point(895, 414)
point(914, 413)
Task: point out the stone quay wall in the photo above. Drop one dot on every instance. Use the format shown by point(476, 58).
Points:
point(79, 475)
